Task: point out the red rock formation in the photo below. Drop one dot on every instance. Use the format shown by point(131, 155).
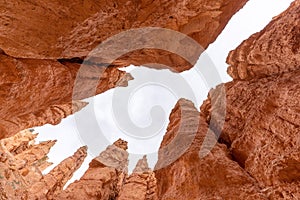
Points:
point(262, 130)
point(45, 95)
point(69, 29)
point(34, 34)
point(272, 51)
point(52, 115)
point(141, 184)
point(103, 178)
point(216, 176)
point(22, 163)
point(262, 113)
point(52, 183)
point(256, 157)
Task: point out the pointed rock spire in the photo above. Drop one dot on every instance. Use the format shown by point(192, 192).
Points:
point(103, 178)
point(141, 184)
point(142, 166)
point(37, 153)
point(19, 142)
point(52, 183)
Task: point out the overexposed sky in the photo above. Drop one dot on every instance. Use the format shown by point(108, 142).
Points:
point(146, 101)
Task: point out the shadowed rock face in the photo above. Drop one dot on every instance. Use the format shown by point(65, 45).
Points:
point(262, 131)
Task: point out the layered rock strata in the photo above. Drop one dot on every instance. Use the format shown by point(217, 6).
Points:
point(261, 126)
point(43, 44)
point(256, 156)
point(216, 176)
point(36, 92)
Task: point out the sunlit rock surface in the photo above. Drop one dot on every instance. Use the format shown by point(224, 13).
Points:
point(141, 184)
point(105, 175)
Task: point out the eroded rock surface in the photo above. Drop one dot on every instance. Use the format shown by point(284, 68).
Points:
point(257, 154)
point(262, 130)
point(216, 176)
point(22, 163)
point(262, 123)
point(69, 29)
point(141, 184)
point(52, 115)
point(42, 45)
point(104, 178)
point(272, 51)
point(36, 92)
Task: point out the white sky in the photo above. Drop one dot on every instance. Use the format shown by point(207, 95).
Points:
point(252, 18)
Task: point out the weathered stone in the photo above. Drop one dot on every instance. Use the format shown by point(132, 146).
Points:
point(52, 183)
point(215, 176)
point(44, 91)
point(141, 184)
point(101, 180)
point(70, 29)
point(272, 51)
point(22, 163)
point(262, 123)
point(257, 154)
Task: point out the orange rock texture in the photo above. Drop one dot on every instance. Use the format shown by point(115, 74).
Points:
point(69, 29)
point(141, 184)
point(105, 175)
point(243, 144)
point(261, 127)
point(43, 91)
point(272, 51)
point(216, 176)
point(22, 162)
point(42, 45)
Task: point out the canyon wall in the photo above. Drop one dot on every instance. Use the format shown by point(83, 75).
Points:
point(43, 44)
point(35, 92)
point(272, 51)
point(261, 127)
point(253, 154)
point(72, 29)
point(216, 176)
